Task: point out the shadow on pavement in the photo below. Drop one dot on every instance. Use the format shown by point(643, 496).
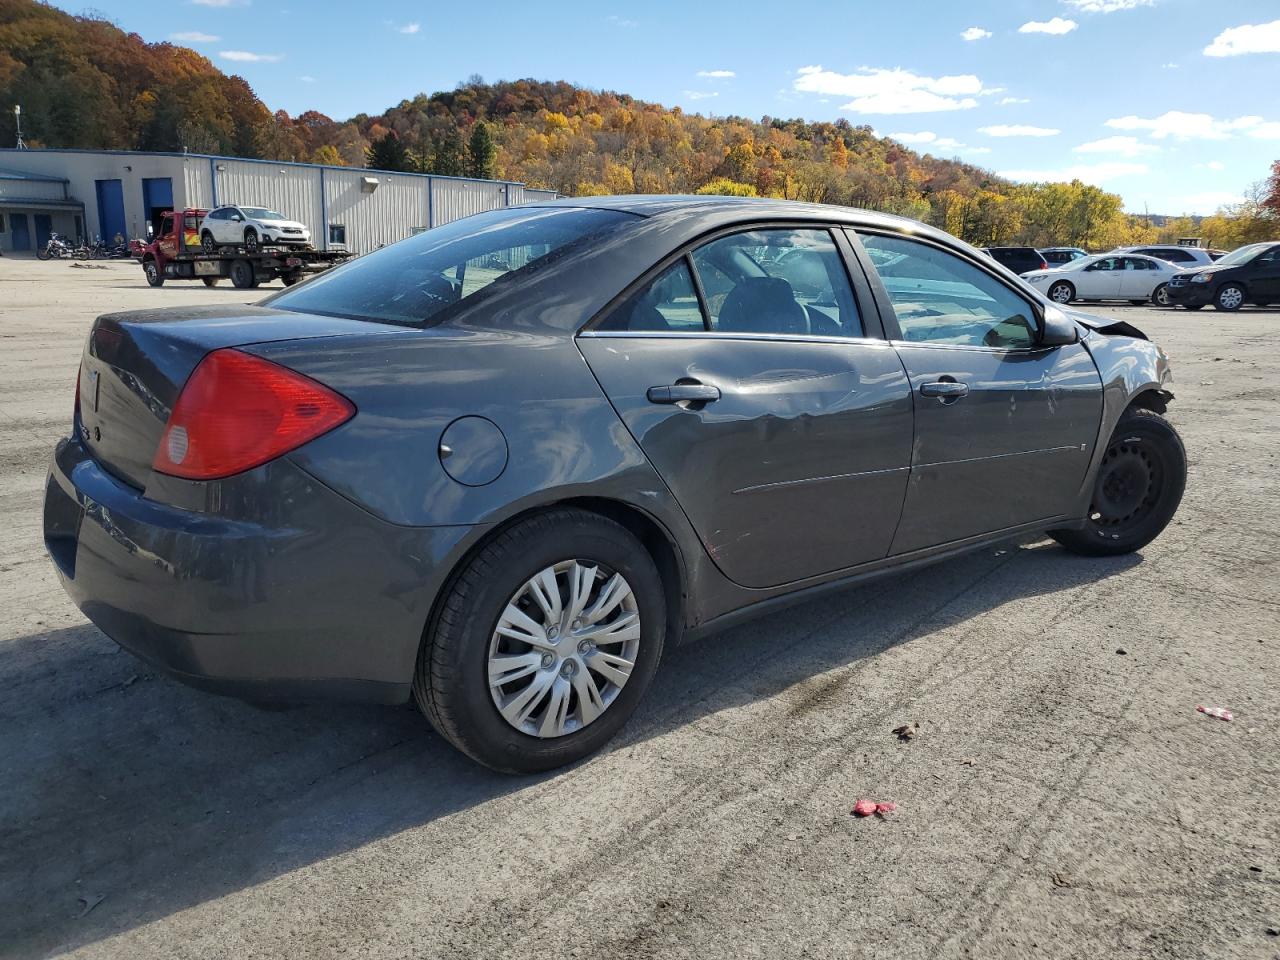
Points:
point(136, 797)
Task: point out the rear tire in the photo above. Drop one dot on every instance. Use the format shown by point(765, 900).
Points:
point(1160, 296)
point(1062, 292)
point(1137, 489)
point(241, 272)
point(289, 279)
point(1229, 298)
point(461, 646)
point(154, 277)
point(1194, 306)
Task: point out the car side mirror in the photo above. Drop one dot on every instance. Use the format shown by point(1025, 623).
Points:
point(236, 217)
point(1057, 329)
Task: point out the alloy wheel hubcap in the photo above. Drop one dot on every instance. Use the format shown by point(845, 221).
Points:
point(563, 648)
point(1230, 298)
point(1061, 294)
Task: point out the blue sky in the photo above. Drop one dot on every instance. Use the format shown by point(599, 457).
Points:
point(1172, 103)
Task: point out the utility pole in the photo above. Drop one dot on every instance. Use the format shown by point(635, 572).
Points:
point(17, 119)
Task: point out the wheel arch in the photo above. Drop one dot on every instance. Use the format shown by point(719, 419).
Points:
point(656, 539)
point(1153, 398)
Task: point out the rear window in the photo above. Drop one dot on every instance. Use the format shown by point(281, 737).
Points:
point(420, 281)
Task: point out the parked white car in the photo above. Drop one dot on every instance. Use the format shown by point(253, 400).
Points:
point(251, 228)
point(1188, 258)
point(1106, 277)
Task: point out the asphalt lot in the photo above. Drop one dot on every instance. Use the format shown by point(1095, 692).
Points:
point(1063, 798)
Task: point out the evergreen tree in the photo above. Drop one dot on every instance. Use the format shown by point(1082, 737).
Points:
point(483, 151)
point(387, 153)
point(447, 158)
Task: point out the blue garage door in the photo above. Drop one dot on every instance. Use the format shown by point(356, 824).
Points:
point(44, 227)
point(21, 235)
point(110, 208)
point(157, 197)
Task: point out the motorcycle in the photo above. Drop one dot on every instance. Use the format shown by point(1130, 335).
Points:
point(59, 248)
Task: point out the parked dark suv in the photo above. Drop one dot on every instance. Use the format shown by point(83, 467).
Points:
point(1018, 259)
point(1250, 274)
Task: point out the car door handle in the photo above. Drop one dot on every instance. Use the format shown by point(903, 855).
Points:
point(680, 392)
point(944, 389)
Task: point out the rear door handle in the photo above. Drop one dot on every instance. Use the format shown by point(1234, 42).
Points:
point(680, 392)
point(944, 389)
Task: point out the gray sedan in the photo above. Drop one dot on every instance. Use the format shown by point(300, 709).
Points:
point(500, 465)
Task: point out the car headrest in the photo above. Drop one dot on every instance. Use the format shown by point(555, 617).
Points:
point(762, 305)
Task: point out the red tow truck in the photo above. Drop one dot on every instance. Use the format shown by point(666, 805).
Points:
point(175, 254)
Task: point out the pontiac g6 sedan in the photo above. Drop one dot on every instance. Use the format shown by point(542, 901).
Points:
point(497, 466)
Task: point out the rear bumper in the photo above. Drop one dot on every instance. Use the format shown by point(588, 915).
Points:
point(1191, 294)
point(313, 599)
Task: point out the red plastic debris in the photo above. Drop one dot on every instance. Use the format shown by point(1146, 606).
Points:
point(1220, 712)
point(865, 808)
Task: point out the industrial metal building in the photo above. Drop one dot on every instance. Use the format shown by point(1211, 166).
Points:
point(99, 193)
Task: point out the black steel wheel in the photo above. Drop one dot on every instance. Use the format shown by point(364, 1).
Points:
point(1137, 490)
point(242, 275)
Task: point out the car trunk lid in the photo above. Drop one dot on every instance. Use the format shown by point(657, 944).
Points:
point(134, 366)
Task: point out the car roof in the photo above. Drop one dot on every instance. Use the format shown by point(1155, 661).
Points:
point(744, 208)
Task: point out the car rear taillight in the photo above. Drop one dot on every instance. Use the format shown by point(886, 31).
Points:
point(238, 411)
point(75, 411)
point(1044, 264)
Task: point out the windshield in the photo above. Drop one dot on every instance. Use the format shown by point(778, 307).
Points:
point(417, 280)
point(262, 213)
point(1241, 254)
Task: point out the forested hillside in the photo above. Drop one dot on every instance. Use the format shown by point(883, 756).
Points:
point(82, 82)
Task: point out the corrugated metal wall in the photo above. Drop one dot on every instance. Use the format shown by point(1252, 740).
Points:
point(371, 207)
point(30, 190)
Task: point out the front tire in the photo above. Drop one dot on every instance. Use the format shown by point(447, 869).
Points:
point(543, 642)
point(251, 244)
point(43, 253)
point(1062, 292)
point(1230, 298)
point(154, 277)
point(1137, 490)
point(207, 243)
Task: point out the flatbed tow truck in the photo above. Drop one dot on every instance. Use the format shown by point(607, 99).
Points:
point(175, 254)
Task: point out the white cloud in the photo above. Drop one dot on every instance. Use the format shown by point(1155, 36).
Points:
point(1011, 100)
point(623, 22)
point(1204, 203)
point(306, 78)
point(193, 36)
point(1266, 131)
point(409, 28)
point(977, 149)
point(1120, 146)
point(220, 3)
point(701, 94)
point(975, 33)
point(1169, 66)
point(1095, 173)
point(924, 136)
point(717, 74)
point(876, 90)
point(1187, 126)
point(1213, 165)
point(1018, 130)
point(1055, 27)
point(1250, 38)
point(244, 56)
point(1107, 6)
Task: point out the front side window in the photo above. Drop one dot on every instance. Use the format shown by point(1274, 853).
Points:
point(940, 298)
point(777, 281)
point(417, 280)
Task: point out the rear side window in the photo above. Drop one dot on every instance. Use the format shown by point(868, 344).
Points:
point(941, 298)
point(420, 280)
point(776, 281)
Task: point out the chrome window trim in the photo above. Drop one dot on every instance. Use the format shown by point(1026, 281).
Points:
point(713, 335)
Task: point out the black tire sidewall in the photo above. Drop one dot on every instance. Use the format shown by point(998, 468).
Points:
point(1155, 295)
point(152, 271)
point(459, 667)
point(251, 240)
point(241, 270)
